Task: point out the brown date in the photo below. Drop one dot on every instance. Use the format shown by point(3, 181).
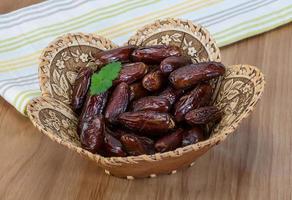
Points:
point(155, 54)
point(170, 64)
point(92, 108)
point(169, 142)
point(153, 81)
point(199, 96)
point(192, 74)
point(171, 94)
point(113, 147)
point(121, 54)
point(149, 122)
point(131, 72)
point(80, 88)
point(116, 133)
point(203, 115)
point(153, 103)
point(92, 134)
point(193, 136)
point(137, 91)
point(118, 102)
point(137, 145)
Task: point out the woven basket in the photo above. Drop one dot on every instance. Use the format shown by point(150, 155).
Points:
point(236, 94)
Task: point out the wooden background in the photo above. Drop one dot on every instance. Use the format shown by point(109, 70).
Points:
point(253, 163)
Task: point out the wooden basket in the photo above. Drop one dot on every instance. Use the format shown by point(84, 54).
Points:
point(236, 94)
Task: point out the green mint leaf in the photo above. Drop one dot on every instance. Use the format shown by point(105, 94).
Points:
point(102, 81)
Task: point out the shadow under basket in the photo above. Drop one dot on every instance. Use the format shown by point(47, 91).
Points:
point(236, 93)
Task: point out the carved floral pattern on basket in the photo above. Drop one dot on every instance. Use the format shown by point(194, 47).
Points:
point(236, 95)
point(63, 58)
point(67, 63)
point(57, 122)
point(190, 45)
point(192, 38)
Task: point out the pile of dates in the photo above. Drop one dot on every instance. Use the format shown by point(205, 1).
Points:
point(160, 101)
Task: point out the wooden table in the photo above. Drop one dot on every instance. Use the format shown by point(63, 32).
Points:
point(253, 163)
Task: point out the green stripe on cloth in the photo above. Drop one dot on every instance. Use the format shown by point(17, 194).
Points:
point(21, 59)
point(40, 13)
point(233, 28)
point(125, 27)
point(231, 37)
point(133, 24)
point(23, 98)
point(30, 38)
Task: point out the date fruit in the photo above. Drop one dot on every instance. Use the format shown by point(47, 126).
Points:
point(149, 122)
point(118, 102)
point(121, 54)
point(171, 94)
point(137, 145)
point(92, 134)
point(153, 103)
point(155, 54)
point(199, 96)
point(169, 142)
point(159, 101)
point(92, 108)
point(116, 133)
point(192, 74)
point(80, 88)
point(153, 81)
point(113, 147)
point(170, 64)
point(137, 91)
point(131, 72)
point(192, 136)
point(203, 115)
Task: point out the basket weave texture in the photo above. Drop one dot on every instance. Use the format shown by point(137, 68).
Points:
point(236, 93)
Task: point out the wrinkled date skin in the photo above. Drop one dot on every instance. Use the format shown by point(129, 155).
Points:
point(169, 142)
point(137, 91)
point(155, 54)
point(118, 102)
point(131, 72)
point(191, 75)
point(171, 94)
point(172, 63)
point(116, 133)
point(203, 115)
point(80, 88)
point(153, 103)
point(199, 96)
point(193, 136)
point(113, 147)
point(137, 145)
point(92, 134)
point(149, 122)
point(153, 81)
point(92, 108)
point(121, 54)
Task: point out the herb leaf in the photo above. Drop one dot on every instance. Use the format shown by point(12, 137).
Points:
point(103, 80)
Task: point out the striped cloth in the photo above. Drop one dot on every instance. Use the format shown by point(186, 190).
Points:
point(25, 32)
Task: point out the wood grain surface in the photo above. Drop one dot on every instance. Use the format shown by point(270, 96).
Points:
point(253, 163)
point(10, 5)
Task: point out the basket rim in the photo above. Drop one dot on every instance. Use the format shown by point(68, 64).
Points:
point(178, 22)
